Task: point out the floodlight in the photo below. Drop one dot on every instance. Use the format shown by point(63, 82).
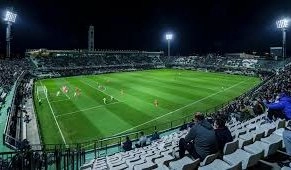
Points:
point(169, 36)
point(10, 16)
point(283, 23)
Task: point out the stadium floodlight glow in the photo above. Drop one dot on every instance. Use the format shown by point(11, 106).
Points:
point(169, 37)
point(10, 16)
point(283, 25)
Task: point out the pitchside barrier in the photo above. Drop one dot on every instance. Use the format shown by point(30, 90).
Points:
point(72, 156)
point(8, 140)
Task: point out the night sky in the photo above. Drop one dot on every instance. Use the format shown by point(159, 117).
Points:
point(199, 26)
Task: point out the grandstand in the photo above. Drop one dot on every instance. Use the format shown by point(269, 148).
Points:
point(256, 141)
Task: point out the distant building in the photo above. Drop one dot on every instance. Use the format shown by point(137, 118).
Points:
point(276, 52)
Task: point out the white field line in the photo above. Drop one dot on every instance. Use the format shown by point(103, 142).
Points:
point(99, 90)
point(52, 111)
point(181, 107)
point(90, 108)
point(54, 101)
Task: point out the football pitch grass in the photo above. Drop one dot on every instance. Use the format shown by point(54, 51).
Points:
point(66, 118)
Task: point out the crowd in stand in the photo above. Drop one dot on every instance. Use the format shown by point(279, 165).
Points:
point(219, 61)
point(10, 69)
point(96, 60)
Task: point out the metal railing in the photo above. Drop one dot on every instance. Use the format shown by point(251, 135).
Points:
point(8, 140)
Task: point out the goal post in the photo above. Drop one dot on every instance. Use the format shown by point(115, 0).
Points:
point(41, 92)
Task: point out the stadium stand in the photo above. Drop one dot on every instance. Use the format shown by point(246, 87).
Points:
point(219, 61)
point(259, 141)
point(255, 138)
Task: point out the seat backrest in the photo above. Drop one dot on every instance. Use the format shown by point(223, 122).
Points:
point(193, 165)
point(270, 131)
point(237, 166)
point(209, 159)
point(259, 135)
point(241, 132)
point(230, 147)
point(274, 147)
point(254, 159)
point(280, 124)
point(247, 142)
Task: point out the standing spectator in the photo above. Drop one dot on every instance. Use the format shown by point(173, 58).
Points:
point(127, 145)
point(222, 133)
point(200, 140)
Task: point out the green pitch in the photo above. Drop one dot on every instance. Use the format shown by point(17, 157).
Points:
point(67, 118)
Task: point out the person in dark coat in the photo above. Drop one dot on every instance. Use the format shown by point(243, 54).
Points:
point(200, 140)
point(127, 145)
point(155, 136)
point(223, 135)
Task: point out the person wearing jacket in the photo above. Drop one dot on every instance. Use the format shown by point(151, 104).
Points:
point(223, 135)
point(200, 140)
point(280, 108)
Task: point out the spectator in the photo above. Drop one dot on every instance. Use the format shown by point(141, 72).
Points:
point(142, 140)
point(127, 145)
point(183, 127)
point(155, 136)
point(287, 138)
point(258, 108)
point(222, 133)
point(191, 124)
point(200, 140)
point(280, 108)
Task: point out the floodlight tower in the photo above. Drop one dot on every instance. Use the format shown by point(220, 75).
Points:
point(10, 18)
point(169, 37)
point(91, 38)
point(283, 25)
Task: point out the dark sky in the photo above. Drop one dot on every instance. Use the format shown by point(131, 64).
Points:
point(197, 25)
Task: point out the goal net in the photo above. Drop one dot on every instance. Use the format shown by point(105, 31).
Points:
point(41, 92)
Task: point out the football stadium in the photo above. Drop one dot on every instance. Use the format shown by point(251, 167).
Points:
point(220, 106)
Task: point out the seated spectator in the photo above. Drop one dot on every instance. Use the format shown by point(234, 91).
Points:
point(200, 140)
point(127, 145)
point(258, 108)
point(280, 108)
point(222, 133)
point(155, 136)
point(183, 127)
point(191, 124)
point(142, 140)
point(287, 138)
